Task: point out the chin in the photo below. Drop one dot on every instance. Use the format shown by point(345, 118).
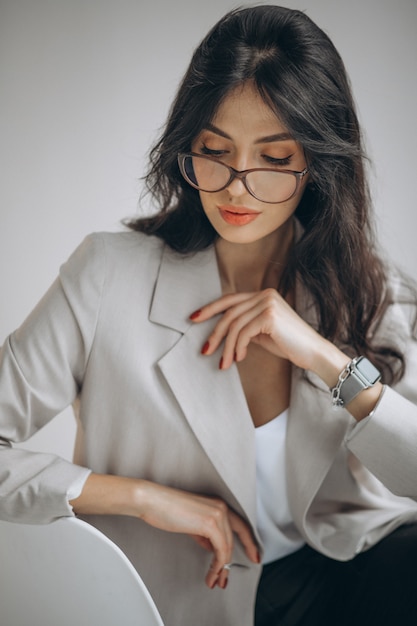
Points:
point(243, 236)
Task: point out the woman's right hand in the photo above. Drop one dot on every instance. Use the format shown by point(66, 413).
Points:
point(208, 520)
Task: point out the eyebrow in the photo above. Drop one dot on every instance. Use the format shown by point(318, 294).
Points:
point(268, 139)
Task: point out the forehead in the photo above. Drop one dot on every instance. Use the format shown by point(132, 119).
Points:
point(244, 108)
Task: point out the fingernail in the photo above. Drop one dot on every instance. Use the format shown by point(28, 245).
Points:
point(196, 314)
point(258, 557)
point(205, 348)
point(221, 363)
point(225, 583)
point(235, 357)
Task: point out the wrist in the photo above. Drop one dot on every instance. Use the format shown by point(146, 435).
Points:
point(358, 375)
point(328, 362)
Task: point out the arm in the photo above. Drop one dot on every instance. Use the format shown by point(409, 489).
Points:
point(209, 521)
point(42, 368)
point(386, 441)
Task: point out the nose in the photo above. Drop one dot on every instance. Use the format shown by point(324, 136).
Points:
point(236, 187)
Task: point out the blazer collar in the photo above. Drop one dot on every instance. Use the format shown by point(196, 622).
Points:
point(184, 283)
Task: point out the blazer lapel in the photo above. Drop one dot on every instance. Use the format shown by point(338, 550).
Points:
point(211, 400)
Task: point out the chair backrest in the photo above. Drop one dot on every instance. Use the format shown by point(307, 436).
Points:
point(69, 574)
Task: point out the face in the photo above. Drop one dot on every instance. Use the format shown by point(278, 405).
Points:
point(245, 134)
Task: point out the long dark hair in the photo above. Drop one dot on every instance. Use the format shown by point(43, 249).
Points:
point(300, 75)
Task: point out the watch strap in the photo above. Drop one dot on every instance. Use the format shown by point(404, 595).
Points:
point(358, 375)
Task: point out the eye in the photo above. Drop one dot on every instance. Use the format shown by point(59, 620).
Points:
point(278, 162)
point(209, 152)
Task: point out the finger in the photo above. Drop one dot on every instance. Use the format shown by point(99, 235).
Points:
point(239, 333)
point(260, 330)
point(224, 576)
point(230, 323)
point(220, 535)
point(241, 325)
point(214, 576)
point(218, 306)
point(217, 575)
point(243, 532)
point(203, 542)
point(265, 327)
point(225, 566)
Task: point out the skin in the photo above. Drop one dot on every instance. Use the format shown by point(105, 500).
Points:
point(257, 328)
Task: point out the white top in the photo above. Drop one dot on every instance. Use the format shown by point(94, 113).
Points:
point(275, 523)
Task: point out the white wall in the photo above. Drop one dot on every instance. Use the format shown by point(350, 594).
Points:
point(85, 85)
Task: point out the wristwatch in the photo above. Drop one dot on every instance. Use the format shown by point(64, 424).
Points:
point(358, 375)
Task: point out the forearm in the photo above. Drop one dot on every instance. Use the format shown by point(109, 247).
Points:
point(387, 443)
point(110, 495)
point(208, 520)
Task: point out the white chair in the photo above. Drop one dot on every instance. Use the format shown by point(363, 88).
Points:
point(69, 574)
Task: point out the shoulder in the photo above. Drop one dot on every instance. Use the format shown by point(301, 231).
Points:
point(107, 262)
point(101, 252)
point(119, 244)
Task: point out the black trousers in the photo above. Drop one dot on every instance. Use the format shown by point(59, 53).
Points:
point(376, 588)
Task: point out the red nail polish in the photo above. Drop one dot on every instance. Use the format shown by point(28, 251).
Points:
point(196, 314)
point(205, 348)
point(221, 363)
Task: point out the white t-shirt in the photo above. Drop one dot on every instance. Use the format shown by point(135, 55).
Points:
point(274, 521)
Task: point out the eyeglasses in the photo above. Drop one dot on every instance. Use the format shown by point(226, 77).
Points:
point(207, 174)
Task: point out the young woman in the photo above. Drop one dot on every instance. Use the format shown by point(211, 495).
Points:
point(242, 364)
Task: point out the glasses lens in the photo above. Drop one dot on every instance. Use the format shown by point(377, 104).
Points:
point(205, 174)
point(271, 186)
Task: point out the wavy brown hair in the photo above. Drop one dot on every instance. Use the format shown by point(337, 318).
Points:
point(300, 75)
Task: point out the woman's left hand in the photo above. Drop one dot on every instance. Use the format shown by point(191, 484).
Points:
point(264, 318)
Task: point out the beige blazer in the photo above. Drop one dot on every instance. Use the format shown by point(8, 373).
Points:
point(112, 335)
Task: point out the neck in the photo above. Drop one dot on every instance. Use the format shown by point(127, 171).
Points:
point(257, 265)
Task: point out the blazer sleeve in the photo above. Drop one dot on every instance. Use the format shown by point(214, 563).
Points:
point(42, 366)
point(386, 441)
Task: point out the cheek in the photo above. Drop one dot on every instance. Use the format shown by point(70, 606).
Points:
point(284, 210)
point(209, 201)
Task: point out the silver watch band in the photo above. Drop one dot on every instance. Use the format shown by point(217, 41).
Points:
point(358, 375)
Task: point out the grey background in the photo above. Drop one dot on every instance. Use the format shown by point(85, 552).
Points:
point(85, 87)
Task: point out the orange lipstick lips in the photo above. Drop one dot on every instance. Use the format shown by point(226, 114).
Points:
point(237, 215)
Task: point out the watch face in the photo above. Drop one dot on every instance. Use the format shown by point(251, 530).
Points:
point(368, 371)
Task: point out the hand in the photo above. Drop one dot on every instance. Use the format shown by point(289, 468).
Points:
point(209, 521)
point(264, 318)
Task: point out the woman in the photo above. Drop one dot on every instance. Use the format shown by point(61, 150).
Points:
point(228, 431)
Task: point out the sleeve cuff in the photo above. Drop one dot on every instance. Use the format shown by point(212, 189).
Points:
point(358, 426)
point(77, 486)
